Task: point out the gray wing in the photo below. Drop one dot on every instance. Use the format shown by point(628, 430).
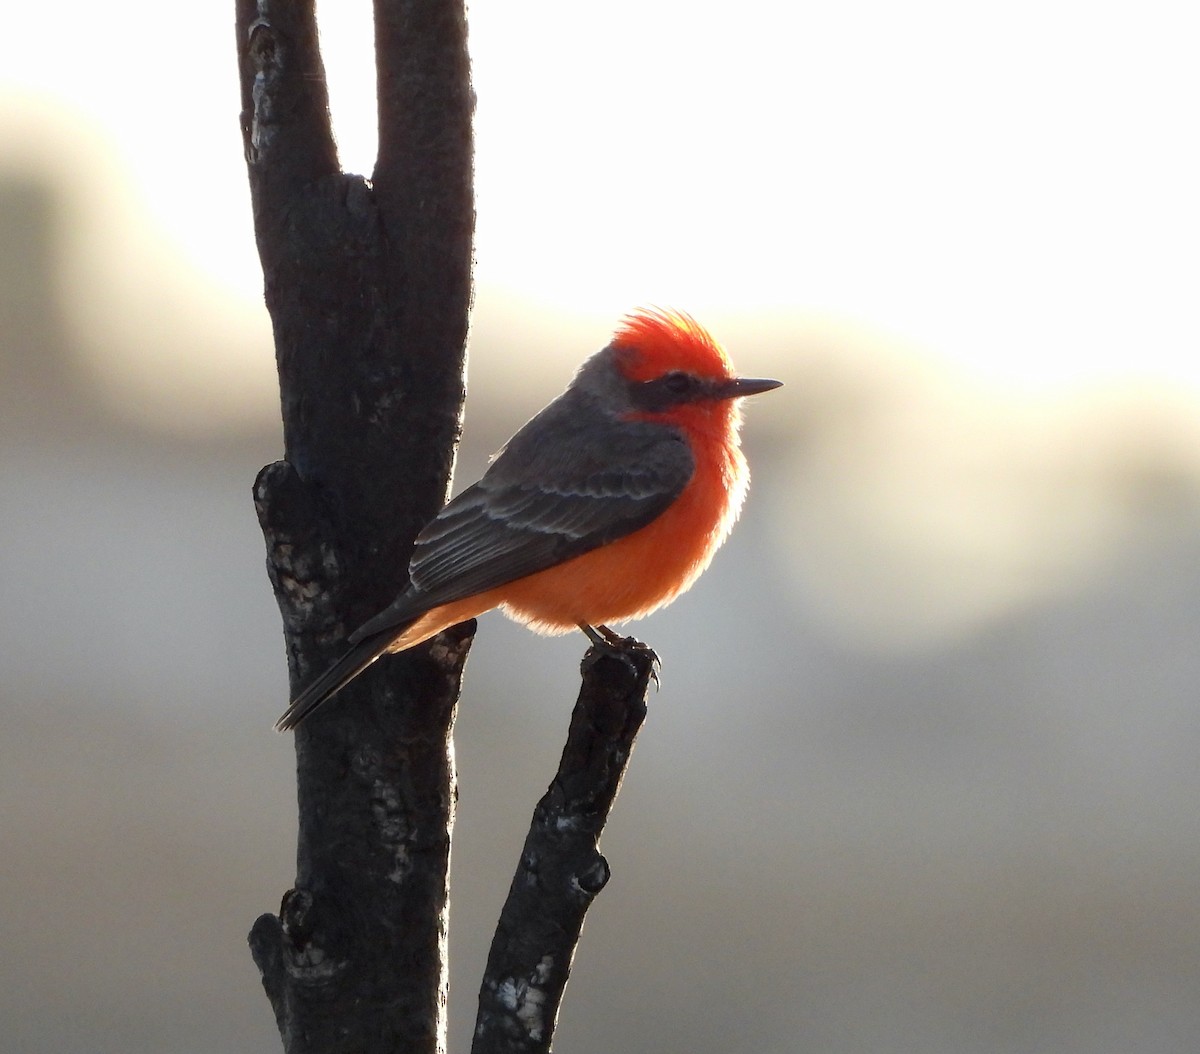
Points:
point(540, 504)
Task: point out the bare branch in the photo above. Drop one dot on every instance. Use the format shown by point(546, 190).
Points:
point(561, 870)
point(285, 101)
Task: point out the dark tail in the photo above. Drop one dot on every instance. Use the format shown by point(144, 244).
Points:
point(333, 680)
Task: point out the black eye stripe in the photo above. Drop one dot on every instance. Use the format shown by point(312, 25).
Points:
point(671, 389)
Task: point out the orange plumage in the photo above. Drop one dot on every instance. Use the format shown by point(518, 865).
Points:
point(606, 505)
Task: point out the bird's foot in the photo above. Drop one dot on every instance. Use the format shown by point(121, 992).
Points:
point(607, 641)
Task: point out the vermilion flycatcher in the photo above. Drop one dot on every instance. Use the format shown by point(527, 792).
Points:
point(606, 505)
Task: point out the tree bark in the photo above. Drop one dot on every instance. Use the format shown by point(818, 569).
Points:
point(561, 870)
point(368, 285)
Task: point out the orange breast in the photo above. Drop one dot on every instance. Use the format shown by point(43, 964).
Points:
point(640, 572)
point(626, 578)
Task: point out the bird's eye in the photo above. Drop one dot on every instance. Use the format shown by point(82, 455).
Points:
point(677, 382)
point(667, 390)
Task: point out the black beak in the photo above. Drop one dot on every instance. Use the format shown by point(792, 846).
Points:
point(740, 386)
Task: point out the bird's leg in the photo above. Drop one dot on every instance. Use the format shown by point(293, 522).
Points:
point(607, 641)
point(611, 635)
point(594, 635)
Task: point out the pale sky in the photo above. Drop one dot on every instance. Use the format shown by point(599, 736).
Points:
point(1011, 189)
point(979, 222)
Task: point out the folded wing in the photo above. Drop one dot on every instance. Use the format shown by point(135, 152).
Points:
point(537, 507)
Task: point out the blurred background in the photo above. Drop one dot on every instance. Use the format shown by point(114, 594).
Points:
point(922, 775)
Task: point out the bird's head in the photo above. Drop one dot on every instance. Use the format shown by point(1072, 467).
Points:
point(672, 370)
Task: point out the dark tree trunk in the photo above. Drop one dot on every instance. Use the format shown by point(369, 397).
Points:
point(368, 286)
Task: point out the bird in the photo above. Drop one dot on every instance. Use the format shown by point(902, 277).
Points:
point(603, 507)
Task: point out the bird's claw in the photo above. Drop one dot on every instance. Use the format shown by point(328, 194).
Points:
point(607, 641)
